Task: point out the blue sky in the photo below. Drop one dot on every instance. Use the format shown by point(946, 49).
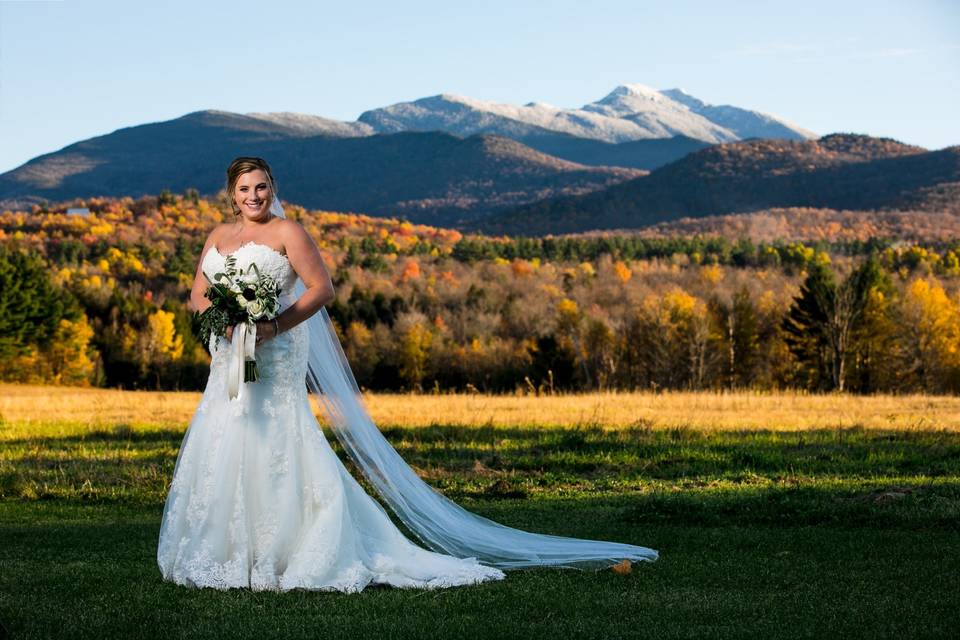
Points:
point(72, 69)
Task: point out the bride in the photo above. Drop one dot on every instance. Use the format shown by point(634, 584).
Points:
point(260, 500)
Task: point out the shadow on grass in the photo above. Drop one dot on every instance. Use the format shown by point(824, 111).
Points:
point(119, 434)
point(852, 476)
point(650, 453)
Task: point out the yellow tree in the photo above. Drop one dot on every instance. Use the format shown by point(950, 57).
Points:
point(156, 345)
point(361, 351)
point(414, 349)
point(874, 365)
point(599, 343)
point(68, 357)
point(929, 336)
point(622, 270)
point(689, 326)
point(166, 344)
point(568, 331)
point(667, 342)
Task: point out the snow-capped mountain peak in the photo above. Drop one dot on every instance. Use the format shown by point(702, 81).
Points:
point(661, 116)
point(745, 123)
point(630, 112)
point(632, 90)
point(684, 98)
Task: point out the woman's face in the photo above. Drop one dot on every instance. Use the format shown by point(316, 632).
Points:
point(252, 194)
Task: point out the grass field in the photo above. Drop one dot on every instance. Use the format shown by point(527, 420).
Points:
point(776, 516)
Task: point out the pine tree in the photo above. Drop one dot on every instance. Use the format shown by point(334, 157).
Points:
point(31, 306)
point(820, 325)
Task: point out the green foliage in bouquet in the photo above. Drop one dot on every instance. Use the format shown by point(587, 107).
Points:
point(239, 297)
point(225, 310)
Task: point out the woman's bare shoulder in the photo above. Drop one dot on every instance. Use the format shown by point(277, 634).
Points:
point(217, 232)
point(287, 224)
point(290, 230)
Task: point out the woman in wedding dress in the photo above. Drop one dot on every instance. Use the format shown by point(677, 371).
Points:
point(260, 500)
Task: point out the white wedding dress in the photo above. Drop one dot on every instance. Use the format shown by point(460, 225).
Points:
point(259, 499)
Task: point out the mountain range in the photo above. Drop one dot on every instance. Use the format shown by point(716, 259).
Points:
point(460, 162)
point(632, 128)
point(628, 113)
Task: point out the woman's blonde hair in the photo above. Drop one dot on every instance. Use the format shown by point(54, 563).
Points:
point(240, 166)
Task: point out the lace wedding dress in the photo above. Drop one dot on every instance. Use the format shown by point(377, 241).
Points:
point(260, 500)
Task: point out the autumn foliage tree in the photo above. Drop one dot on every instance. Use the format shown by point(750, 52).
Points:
point(739, 337)
point(155, 346)
point(929, 337)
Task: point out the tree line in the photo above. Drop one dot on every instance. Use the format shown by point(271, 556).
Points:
point(100, 300)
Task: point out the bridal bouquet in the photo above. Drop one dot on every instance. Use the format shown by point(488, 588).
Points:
point(240, 298)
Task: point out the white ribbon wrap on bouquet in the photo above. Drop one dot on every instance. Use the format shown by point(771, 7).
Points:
point(242, 348)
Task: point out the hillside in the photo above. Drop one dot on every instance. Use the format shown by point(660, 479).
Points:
point(803, 224)
point(428, 177)
point(840, 171)
point(635, 154)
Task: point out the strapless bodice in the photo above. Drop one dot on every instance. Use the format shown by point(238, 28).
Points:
point(282, 360)
point(267, 259)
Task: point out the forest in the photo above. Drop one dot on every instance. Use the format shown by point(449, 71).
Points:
point(98, 298)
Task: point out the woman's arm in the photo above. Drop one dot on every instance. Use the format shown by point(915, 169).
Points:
point(198, 302)
point(305, 258)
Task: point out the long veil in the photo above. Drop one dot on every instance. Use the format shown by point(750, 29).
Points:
point(441, 524)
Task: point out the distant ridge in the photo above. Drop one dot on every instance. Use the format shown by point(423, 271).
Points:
point(840, 171)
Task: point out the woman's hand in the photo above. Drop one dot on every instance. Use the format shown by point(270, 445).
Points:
point(266, 330)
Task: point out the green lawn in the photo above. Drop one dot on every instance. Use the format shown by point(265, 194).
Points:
point(847, 533)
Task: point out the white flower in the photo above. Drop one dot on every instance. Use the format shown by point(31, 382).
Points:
point(255, 308)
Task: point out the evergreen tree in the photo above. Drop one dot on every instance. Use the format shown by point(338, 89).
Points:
point(805, 325)
point(821, 324)
point(31, 306)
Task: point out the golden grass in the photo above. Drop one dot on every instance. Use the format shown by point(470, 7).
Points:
point(783, 411)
